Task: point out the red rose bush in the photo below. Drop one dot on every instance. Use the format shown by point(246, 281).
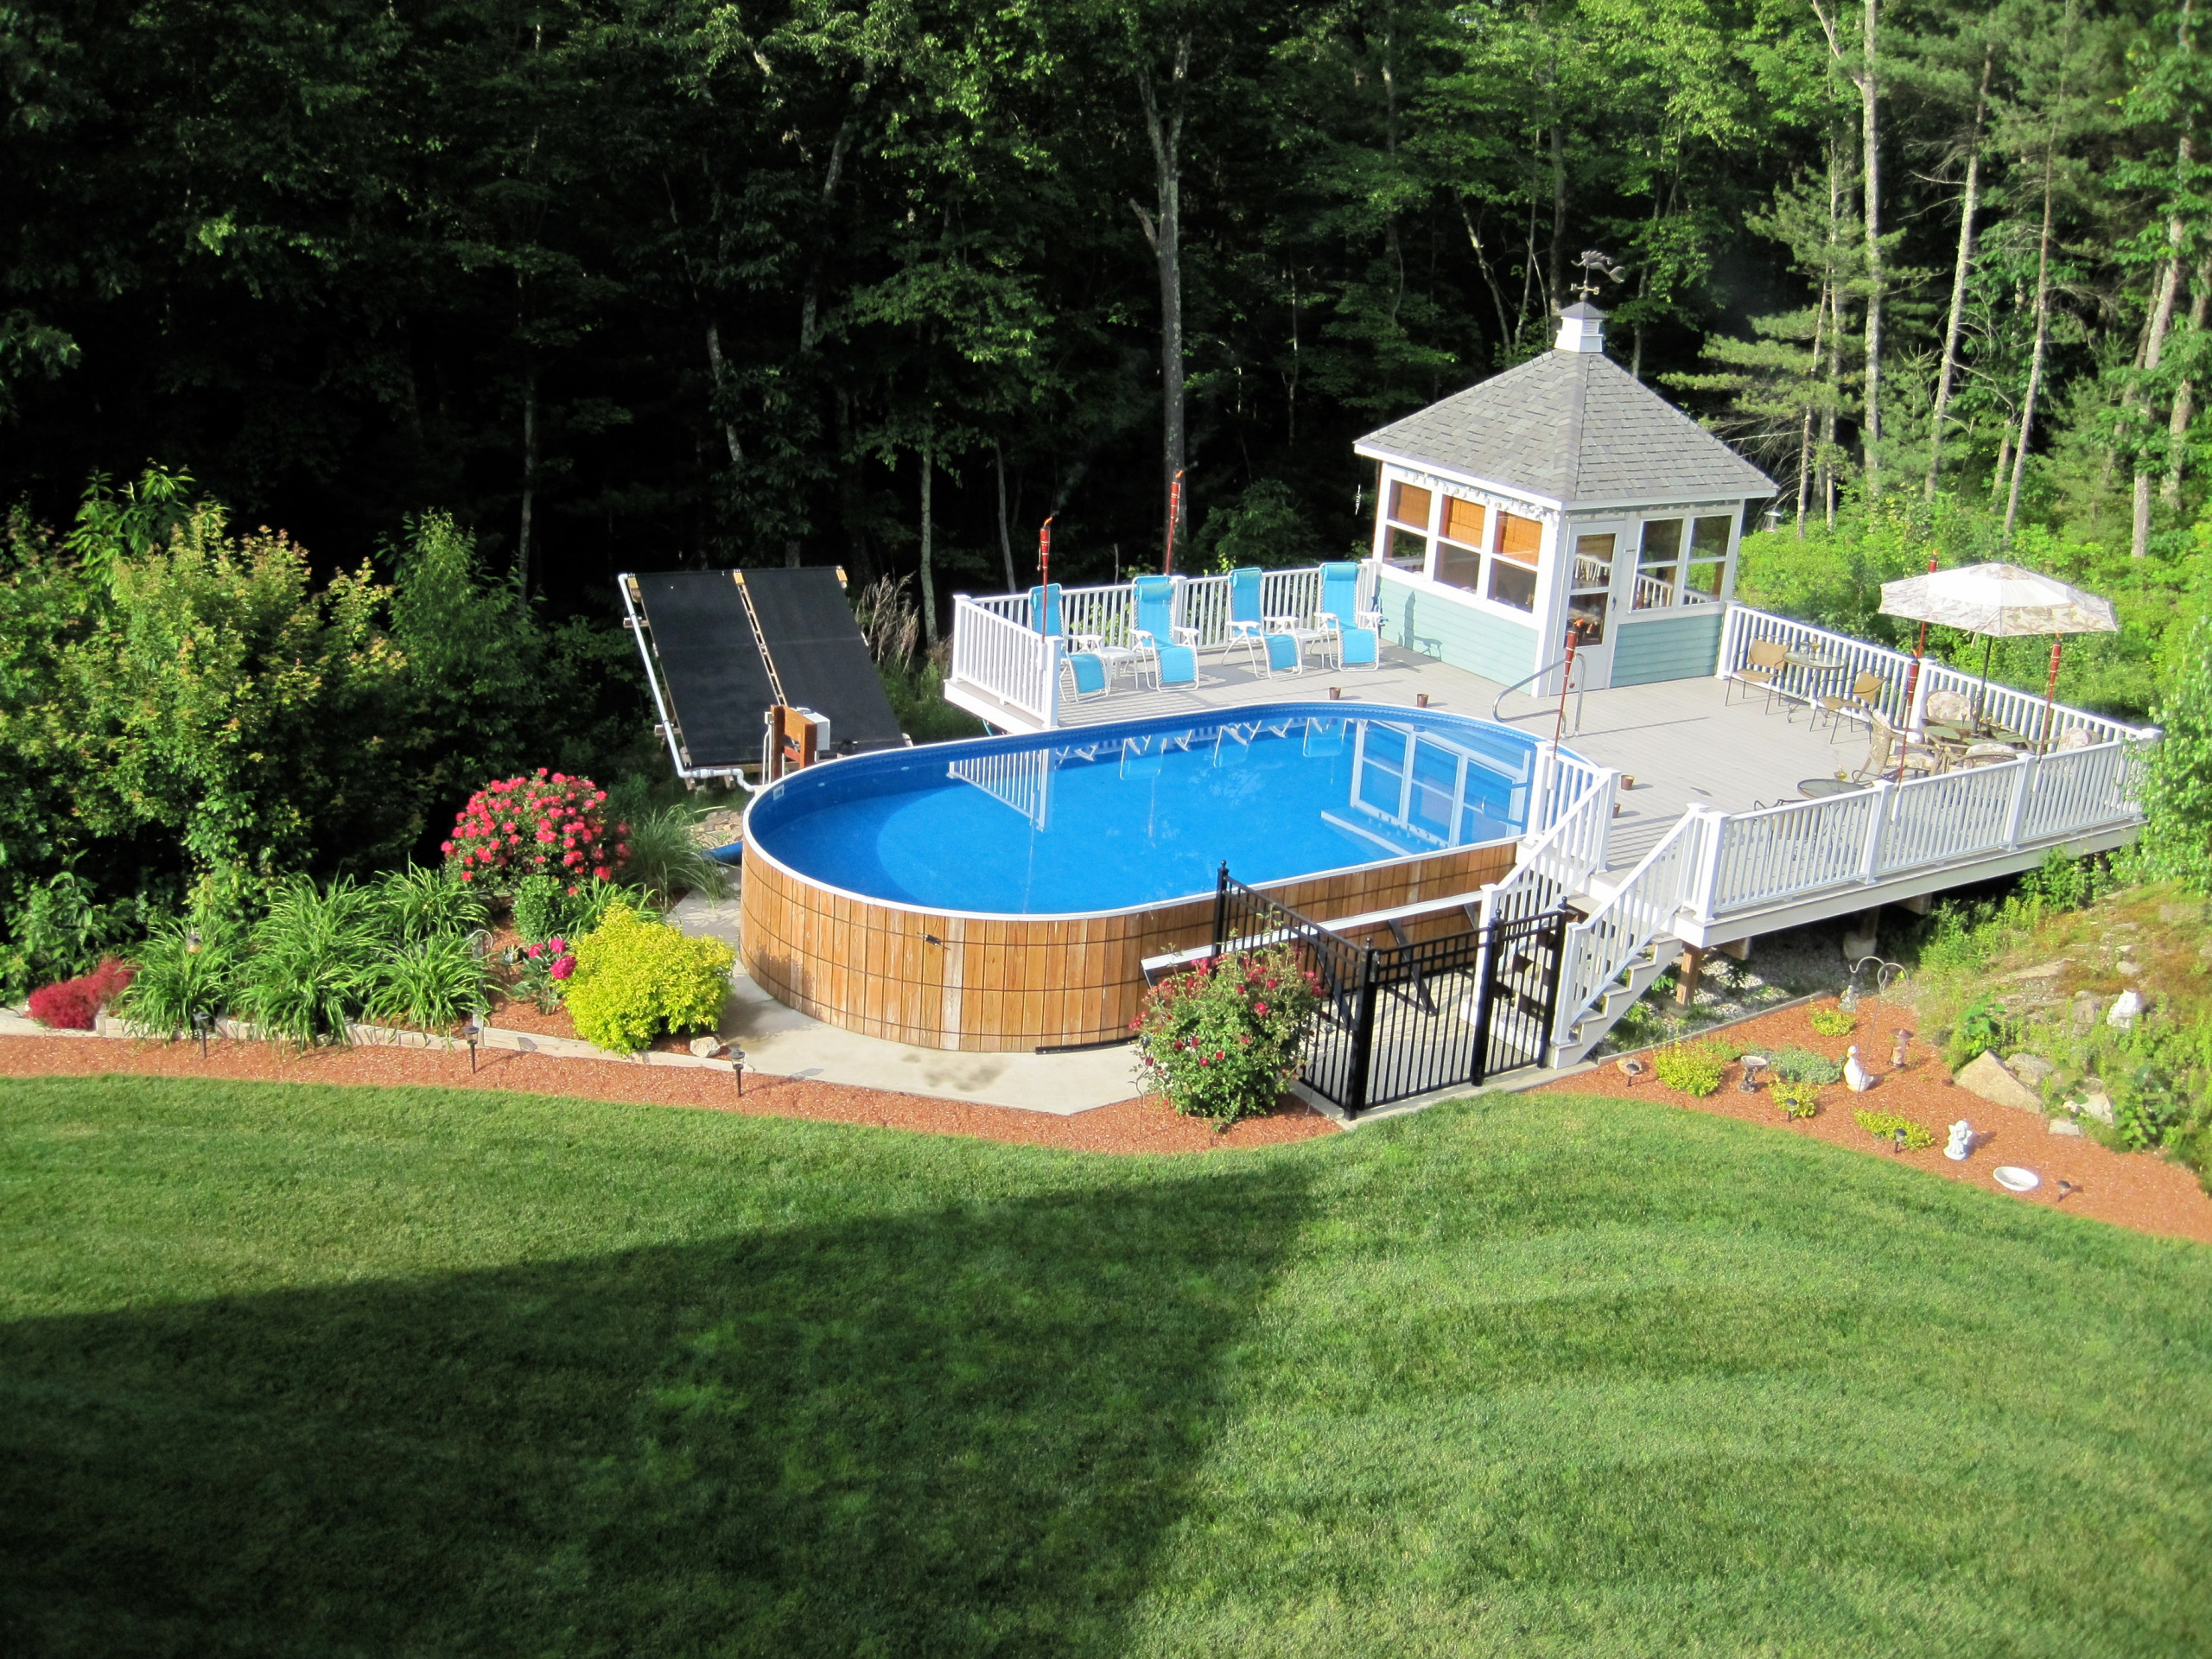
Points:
point(548, 823)
point(1221, 1039)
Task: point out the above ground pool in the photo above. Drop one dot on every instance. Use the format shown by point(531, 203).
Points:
point(1121, 817)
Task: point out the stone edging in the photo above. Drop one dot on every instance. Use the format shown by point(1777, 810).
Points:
point(494, 1036)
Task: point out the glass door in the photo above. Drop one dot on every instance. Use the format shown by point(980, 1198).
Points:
point(1590, 602)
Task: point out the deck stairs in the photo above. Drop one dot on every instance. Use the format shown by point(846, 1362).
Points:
point(1623, 943)
point(1587, 1029)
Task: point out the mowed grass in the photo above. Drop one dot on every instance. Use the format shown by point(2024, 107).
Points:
point(324, 1372)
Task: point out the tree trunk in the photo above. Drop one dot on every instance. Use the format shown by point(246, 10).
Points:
point(1868, 116)
point(1556, 262)
point(1805, 438)
point(1006, 540)
point(929, 582)
point(2042, 344)
point(1163, 229)
point(1959, 276)
point(2185, 397)
point(714, 363)
point(528, 478)
point(2162, 317)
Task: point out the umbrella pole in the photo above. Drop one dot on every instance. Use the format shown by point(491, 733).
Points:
point(1982, 696)
point(2051, 694)
point(1913, 688)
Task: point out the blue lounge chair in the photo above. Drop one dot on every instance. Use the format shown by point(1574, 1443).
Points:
point(1045, 609)
point(1284, 656)
point(1354, 646)
point(1168, 653)
point(1088, 672)
point(1246, 627)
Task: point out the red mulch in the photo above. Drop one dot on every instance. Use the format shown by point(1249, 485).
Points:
point(1145, 1125)
point(2139, 1190)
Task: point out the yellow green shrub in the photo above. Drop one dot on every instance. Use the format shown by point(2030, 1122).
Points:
point(636, 977)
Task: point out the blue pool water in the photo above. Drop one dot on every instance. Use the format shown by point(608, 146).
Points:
point(1109, 817)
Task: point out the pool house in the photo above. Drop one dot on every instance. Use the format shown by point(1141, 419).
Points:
point(1710, 772)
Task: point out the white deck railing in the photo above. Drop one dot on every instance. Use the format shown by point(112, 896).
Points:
point(1622, 925)
point(1555, 860)
point(1001, 655)
point(2008, 706)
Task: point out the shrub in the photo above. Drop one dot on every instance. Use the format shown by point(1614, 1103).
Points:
point(1831, 1022)
point(1883, 1126)
point(547, 966)
point(1982, 1026)
point(74, 1004)
point(1693, 1068)
point(540, 908)
point(1796, 1099)
point(431, 984)
point(1803, 1066)
point(419, 903)
point(548, 823)
point(666, 860)
point(313, 961)
point(636, 977)
point(181, 975)
point(1221, 1039)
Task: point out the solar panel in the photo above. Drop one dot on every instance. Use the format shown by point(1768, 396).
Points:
point(706, 655)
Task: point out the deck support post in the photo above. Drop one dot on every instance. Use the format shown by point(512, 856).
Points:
point(1870, 856)
point(1686, 975)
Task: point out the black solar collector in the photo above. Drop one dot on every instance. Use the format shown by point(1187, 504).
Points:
point(716, 688)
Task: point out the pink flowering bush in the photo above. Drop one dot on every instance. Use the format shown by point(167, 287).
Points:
point(1221, 1039)
point(548, 823)
point(545, 970)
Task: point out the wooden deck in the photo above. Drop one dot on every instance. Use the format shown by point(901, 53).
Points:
point(1682, 743)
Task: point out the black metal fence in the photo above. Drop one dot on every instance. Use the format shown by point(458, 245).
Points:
point(1401, 1020)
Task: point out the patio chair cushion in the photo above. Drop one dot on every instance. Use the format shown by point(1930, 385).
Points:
point(1089, 671)
point(1950, 708)
point(1359, 646)
point(2076, 737)
point(1283, 655)
point(1178, 665)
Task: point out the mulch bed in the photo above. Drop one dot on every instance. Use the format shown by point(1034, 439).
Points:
point(2136, 1190)
point(1147, 1125)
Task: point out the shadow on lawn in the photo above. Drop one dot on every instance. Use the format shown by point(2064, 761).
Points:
point(958, 1431)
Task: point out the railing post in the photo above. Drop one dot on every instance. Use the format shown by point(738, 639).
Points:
point(1363, 1035)
point(1050, 700)
point(1870, 854)
point(1723, 664)
point(1601, 842)
point(2025, 769)
point(1705, 882)
point(1543, 812)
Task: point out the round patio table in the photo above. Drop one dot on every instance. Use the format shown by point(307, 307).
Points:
point(1814, 787)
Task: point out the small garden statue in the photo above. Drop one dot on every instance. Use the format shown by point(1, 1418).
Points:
point(1857, 1075)
point(1896, 1051)
point(1753, 1064)
point(1960, 1143)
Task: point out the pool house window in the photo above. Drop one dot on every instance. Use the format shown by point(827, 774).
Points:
point(1513, 567)
point(1408, 508)
point(1459, 548)
point(1668, 574)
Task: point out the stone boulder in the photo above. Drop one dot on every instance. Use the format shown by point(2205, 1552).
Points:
point(1988, 1078)
point(707, 1048)
point(2065, 1126)
point(2031, 1069)
point(2097, 1105)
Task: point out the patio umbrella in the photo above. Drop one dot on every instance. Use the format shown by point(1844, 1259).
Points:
point(2001, 602)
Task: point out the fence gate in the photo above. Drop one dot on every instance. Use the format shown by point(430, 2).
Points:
point(1401, 1020)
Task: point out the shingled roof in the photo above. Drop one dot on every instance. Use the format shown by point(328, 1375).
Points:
point(1575, 427)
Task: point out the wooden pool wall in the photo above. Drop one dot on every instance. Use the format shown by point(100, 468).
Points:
point(940, 979)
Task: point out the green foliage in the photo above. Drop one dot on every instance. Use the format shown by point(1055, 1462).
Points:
point(1803, 1066)
point(542, 908)
point(182, 974)
point(1266, 525)
point(1796, 1099)
point(917, 697)
point(315, 962)
point(1981, 1026)
point(2177, 788)
point(665, 857)
point(422, 901)
point(636, 978)
point(60, 931)
point(2060, 882)
point(430, 983)
point(1221, 1038)
point(1696, 1069)
point(1831, 1022)
point(1883, 1126)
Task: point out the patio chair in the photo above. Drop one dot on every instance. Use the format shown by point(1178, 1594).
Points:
point(1167, 653)
point(1855, 704)
point(1246, 627)
point(1088, 676)
point(1353, 645)
point(1283, 656)
point(1763, 661)
point(1884, 747)
point(1045, 609)
point(1949, 708)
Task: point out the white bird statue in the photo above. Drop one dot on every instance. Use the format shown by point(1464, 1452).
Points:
point(1856, 1074)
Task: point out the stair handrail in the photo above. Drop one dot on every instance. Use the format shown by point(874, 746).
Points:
point(1624, 923)
point(1560, 859)
point(1577, 666)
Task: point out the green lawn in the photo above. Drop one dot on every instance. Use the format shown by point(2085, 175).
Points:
point(321, 1372)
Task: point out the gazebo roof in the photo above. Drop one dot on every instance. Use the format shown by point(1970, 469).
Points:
point(1573, 427)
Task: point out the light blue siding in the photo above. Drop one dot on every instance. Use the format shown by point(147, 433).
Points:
point(1680, 647)
point(1459, 635)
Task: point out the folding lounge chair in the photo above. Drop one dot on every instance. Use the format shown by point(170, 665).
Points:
point(1246, 628)
point(1045, 609)
point(1087, 671)
point(1353, 647)
point(1168, 653)
point(1283, 656)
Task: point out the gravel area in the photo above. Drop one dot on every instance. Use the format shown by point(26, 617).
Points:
point(1798, 962)
point(2139, 1190)
point(1143, 1125)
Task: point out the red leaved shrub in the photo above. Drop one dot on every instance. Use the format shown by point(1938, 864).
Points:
point(73, 1004)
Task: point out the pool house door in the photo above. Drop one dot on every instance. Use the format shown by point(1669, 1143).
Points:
point(1600, 563)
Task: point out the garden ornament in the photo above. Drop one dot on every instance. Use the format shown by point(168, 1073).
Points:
point(1753, 1064)
point(1896, 1052)
point(1856, 1074)
point(1960, 1143)
point(1848, 1003)
point(2067, 1187)
point(1632, 1069)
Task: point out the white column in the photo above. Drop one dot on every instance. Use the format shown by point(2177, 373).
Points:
point(1551, 600)
point(2024, 777)
point(1870, 853)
